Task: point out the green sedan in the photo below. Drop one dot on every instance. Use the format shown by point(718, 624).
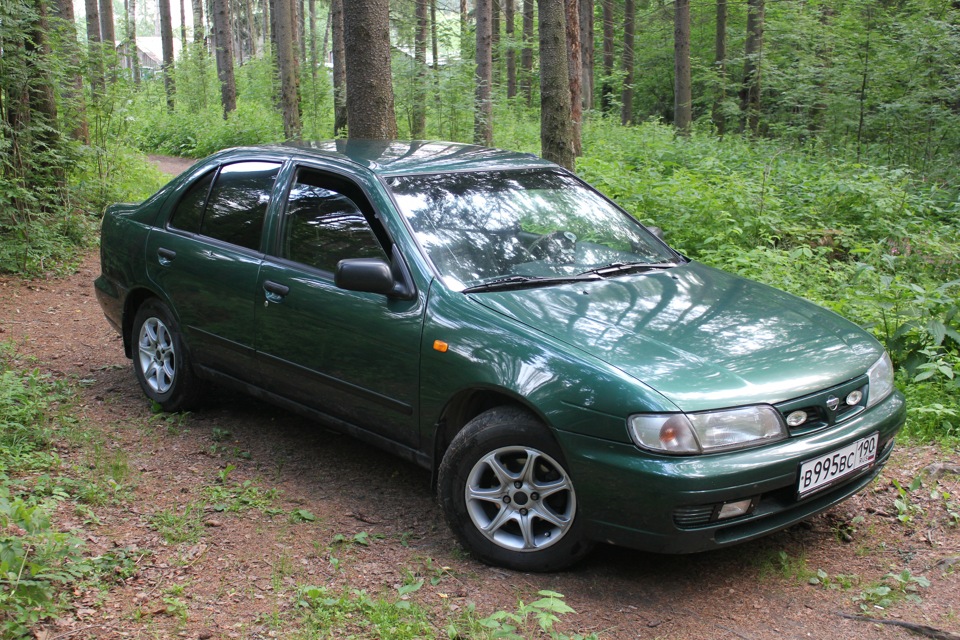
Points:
point(567, 377)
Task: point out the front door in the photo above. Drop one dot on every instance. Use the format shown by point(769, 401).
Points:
point(351, 355)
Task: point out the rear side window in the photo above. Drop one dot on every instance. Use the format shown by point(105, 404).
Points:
point(189, 211)
point(324, 222)
point(238, 203)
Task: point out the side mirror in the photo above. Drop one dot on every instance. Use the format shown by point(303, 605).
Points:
point(374, 275)
point(370, 275)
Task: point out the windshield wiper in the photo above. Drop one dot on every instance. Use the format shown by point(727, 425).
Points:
point(617, 268)
point(522, 282)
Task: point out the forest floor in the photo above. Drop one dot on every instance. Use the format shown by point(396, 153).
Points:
point(227, 513)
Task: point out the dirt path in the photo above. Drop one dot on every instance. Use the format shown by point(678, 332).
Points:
point(315, 497)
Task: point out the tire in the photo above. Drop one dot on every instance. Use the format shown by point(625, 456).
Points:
point(160, 360)
point(506, 493)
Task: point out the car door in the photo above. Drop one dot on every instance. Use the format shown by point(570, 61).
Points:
point(206, 258)
point(351, 355)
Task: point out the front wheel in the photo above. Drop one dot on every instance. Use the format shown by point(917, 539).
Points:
point(506, 493)
point(160, 360)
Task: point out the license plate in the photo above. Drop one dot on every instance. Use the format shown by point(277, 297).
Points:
point(821, 471)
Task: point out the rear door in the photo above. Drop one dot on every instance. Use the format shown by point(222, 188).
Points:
point(348, 354)
point(206, 260)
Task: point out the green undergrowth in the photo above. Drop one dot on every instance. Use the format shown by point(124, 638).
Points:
point(39, 562)
point(869, 242)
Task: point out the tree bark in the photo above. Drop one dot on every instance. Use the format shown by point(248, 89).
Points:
point(198, 21)
point(108, 33)
point(132, 49)
point(720, 63)
point(509, 18)
point(682, 95)
point(166, 43)
point(223, 43)
point(526, 53)
point(339, 70)
point(629, 26)
point(556, 134)
point(74, 101)
point(495, 41)
point(183, 27)
point(587, 52)
point(285, 24)
point(370, 106)
point(574, 71)
point(483, 110)
point(252, 26)
point(95, 48)
point(312, 29)
point(433, 35)
point(750, 93)
point(418, 124)
point(464, 36)
point(606, 90)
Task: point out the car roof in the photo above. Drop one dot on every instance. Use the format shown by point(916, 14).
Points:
point(396, 158)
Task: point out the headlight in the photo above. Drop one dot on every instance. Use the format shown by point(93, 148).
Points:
point(692, 433)
point(881, 380)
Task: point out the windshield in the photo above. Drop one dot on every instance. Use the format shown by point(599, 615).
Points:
point(525, 224)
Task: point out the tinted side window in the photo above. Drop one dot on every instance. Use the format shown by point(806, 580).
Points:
point(189, 211)
point(324, 225)
point(238, 203)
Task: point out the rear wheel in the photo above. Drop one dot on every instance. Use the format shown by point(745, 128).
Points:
point(160, 360)
point(506, 493)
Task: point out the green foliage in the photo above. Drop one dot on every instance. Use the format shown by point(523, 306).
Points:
point(541, 614)
point(330, 613)
point(37, 562)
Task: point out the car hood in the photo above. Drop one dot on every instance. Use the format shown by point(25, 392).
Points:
point(702, 338)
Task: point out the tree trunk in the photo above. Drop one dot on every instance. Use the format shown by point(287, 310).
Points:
point(720, 63)
point(74, 102)
point(750, 93)
point(586, 52)
point(132, 49)
point(252, 27)
point(285, 27)
point(606, 90)
point(433, 36)
point(223, 43)
point(97, 81)
point(464, 36)
point(418, 124)
point(556, 134)
point(339, 70)
point(366, 35)
point(49, 172)
point(526, 53)
point(108, 34)
point(166, 44)
point(574, 71)
point(198, 21)
point(682, 97)
point(312, 28)
point(183, 27)
point(509, 18)
point(495, 41)
point(483, 111)
point(629, 25)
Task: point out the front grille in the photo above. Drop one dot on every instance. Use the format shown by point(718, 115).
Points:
point(817, 406)
point(685, 517)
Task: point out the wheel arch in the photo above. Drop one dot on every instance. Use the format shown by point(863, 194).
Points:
point(134, 300)
point(463, 407)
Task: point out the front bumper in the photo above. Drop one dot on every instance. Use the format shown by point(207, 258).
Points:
point(663, 504)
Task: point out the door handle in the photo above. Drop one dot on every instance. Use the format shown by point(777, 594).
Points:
point(274, 291)
point(165, 256)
